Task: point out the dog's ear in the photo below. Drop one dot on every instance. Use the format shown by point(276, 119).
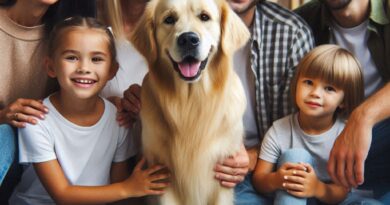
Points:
point(143, 37)
point(234, 33)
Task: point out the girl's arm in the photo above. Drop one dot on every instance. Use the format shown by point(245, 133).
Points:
point(140, 183)
point(298, 180)
point(265, 180)
point(331, 193)
point(119, 171)
point(306, 184)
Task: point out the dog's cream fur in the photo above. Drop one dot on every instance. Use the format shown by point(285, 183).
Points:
point(189, 125)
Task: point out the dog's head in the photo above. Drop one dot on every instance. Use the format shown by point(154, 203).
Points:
point(185, 35)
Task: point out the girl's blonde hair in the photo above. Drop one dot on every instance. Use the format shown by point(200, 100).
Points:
point(335, 66)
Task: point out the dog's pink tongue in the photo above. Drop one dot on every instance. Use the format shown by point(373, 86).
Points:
point(189, 69)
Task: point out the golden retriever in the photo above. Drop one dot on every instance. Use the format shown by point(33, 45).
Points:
point(192, 100)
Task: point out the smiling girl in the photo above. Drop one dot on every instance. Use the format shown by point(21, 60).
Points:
point(78, 154)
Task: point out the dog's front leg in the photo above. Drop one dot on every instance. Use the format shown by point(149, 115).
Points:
point(169, 198)
point(225, 197)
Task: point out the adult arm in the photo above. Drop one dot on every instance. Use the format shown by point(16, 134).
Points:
point(350, 150)
point(23, 111)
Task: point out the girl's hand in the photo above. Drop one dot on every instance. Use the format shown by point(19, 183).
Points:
point(286, 170)
point(150, 181)
point(132, 101)
point(301, 183)
point(23, 111)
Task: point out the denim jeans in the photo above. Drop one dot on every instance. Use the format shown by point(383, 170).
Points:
point(245, 194)
point(7, 149)
point(377, 165)
point(357, 199)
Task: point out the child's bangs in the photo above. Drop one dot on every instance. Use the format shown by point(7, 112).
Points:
point(333, 70)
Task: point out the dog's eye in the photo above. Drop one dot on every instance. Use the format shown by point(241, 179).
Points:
point(170, 20)
point(204, 17)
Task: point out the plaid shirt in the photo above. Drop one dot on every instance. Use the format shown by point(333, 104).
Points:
point(279, 40)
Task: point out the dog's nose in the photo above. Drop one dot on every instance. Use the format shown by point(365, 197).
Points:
point(188, 40)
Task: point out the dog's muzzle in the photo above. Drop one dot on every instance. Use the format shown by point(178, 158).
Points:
point(190, 67)
point(188, 42)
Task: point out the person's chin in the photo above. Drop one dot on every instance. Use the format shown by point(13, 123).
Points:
point(341, 4)
point(242, 7)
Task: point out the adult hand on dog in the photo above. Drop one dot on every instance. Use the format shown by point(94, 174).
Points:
point(23, 111)
point(131, 101)
point(122, 116)
point(233, 169)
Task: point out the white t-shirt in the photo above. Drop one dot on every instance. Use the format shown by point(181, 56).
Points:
point(247, 77)
point(84, 153)
point(286, 133)
point(132, 69)
point(355, 40)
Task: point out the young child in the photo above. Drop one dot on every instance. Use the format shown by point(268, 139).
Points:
point(327, 86)
point(77, 155)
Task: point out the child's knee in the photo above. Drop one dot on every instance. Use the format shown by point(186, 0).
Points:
point(295, 155)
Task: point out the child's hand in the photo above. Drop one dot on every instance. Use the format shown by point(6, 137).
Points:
point(302, 184)
point(146, 182)
point(287, 169)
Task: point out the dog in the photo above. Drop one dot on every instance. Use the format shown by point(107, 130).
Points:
point(192, 100)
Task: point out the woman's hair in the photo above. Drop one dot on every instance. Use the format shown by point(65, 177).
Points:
point(61, 10)
point(335, 66)
point(66, 8)
point(112, 15)
point(78, 22)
